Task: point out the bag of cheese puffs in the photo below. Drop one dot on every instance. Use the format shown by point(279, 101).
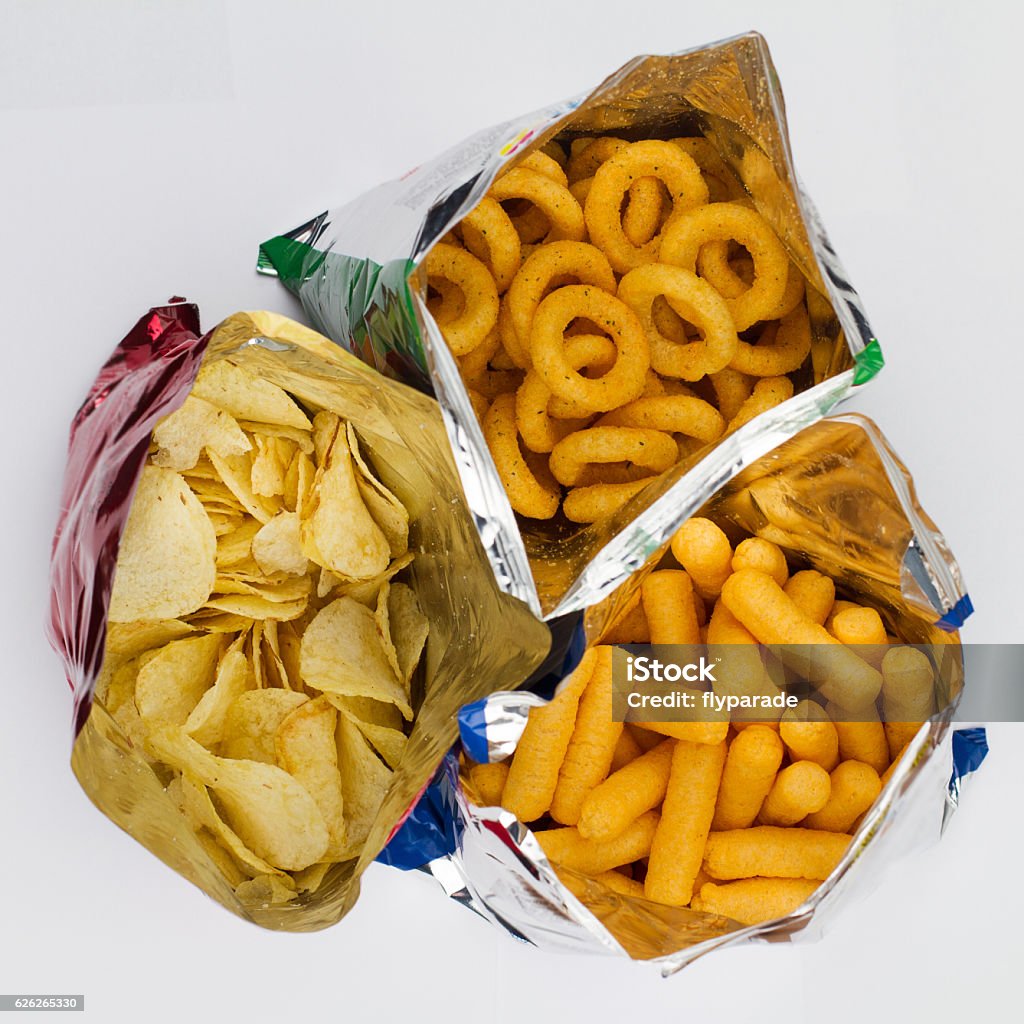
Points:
point(694, 834)
point(618, 302)
point(270, 599)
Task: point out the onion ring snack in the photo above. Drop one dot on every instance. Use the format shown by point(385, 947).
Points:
point(480, 314)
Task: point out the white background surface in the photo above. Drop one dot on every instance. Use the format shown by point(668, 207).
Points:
point(148, 147)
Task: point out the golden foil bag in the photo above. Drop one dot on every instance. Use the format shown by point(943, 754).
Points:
point(357, 270)
point(836, 498)
point(480, 638)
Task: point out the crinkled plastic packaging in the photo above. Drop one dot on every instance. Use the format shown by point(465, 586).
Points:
point(835, 498)
point(480, 638)
point(355, 269)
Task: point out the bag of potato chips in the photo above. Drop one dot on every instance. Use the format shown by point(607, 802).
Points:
point(594, 217)
point(841, 507)
point(270, 599)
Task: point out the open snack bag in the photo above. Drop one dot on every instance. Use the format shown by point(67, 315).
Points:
point(618, 301)
point(271, 600)
point(825, 605)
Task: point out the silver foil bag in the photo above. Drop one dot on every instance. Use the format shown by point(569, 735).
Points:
point(356, 270)
point(835, 498)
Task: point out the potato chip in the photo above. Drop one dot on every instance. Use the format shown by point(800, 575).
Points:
point(288, 589)
point(236, 547)
point(269, 466)
point(202, 813)
point(338, 532)
point(223, 523)
point(387, 511)
point(341, 653)
point(302, 438)
point(127, 640)
point(253, 720)
point(288, 641)
point(206, 722)
point(325, 429)
point(364, 591)
point(409, 629)
point(310, 879)
point(251, 607)
point(246, 396)
point(380, 615)
point(165, 564)
point(380, 723)
point(271, 812)
point(181, 436)
point(222, 860)
point(306, 750)
point(265, 891)
point(171, 683)
point(364, 782)
point(277, 547)
point(118, 697)
point(214, 621)
point(236, 472)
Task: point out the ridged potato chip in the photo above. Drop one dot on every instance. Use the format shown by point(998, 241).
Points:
point(171, 683)
point(165, 564)
point(277, 547)
point(364, 780)
point(252, 722)
point(246, 396)
point(205, 723)
point(181, 437)
point(341, 652)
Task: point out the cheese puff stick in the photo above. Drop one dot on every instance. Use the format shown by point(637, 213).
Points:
point(647, 739)
point(810, 735)
point(760, 604)
point(813, 593)
point(590, 751)
point(750, 766)
point(763, 556)
point(489, 781)
point(708, 733)
point(908, 695)
point(686, 814)
point(704, 551)
point(668, 601)
point(864, 628)
point(837, 608)
point(854, 788)
point(753, 900)
point(566, 847)
point(533, 775)
point(863, 741)
point(768, 852)
point(740, 669)
point(627, 794)
point(799, 790)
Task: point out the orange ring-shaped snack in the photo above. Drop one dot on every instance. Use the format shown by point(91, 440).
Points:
point(694, 300)
point(654, 450)
point(491, 237)
point(556, 152)
point(509, 341)
point(554, 200)
point(731, 278)
point(539, 431)
point(479, 374)
point(673, 414)
point(587, 158)
point(528, 494)
point(480, 314)
point(768, 392)
point(623, 382)
point(788, 344)
point(732, 389)
point(449, 302)
point(540, 162)
point(479, 403)
point(684, 236)
point(598, 501)
point(546, 265)
point(642, 217)
point(661, 160)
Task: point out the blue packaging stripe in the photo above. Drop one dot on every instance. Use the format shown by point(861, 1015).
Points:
point(957, 615)
point(433, 828)
point(970, 748)
point(473, 730)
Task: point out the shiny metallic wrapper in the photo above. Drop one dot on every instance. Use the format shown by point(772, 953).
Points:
point(836, 498)
point(356, 271)
point(480, 638)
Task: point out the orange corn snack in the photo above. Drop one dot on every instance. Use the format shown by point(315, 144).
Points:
point(768, 852)
point(799, 790)
point(753, 900)
point(813, 593)
point(670, 608)
point(489, 782)
point(625, 795)
point(750, 767)
point(567, 848)
point(590, 751)
point(854, 788)
point(533, 775)
point(815, 739)
point(704, 551)
point(686, 814)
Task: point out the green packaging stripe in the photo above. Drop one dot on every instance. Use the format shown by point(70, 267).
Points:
point(868, 361)
point(364, 306)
